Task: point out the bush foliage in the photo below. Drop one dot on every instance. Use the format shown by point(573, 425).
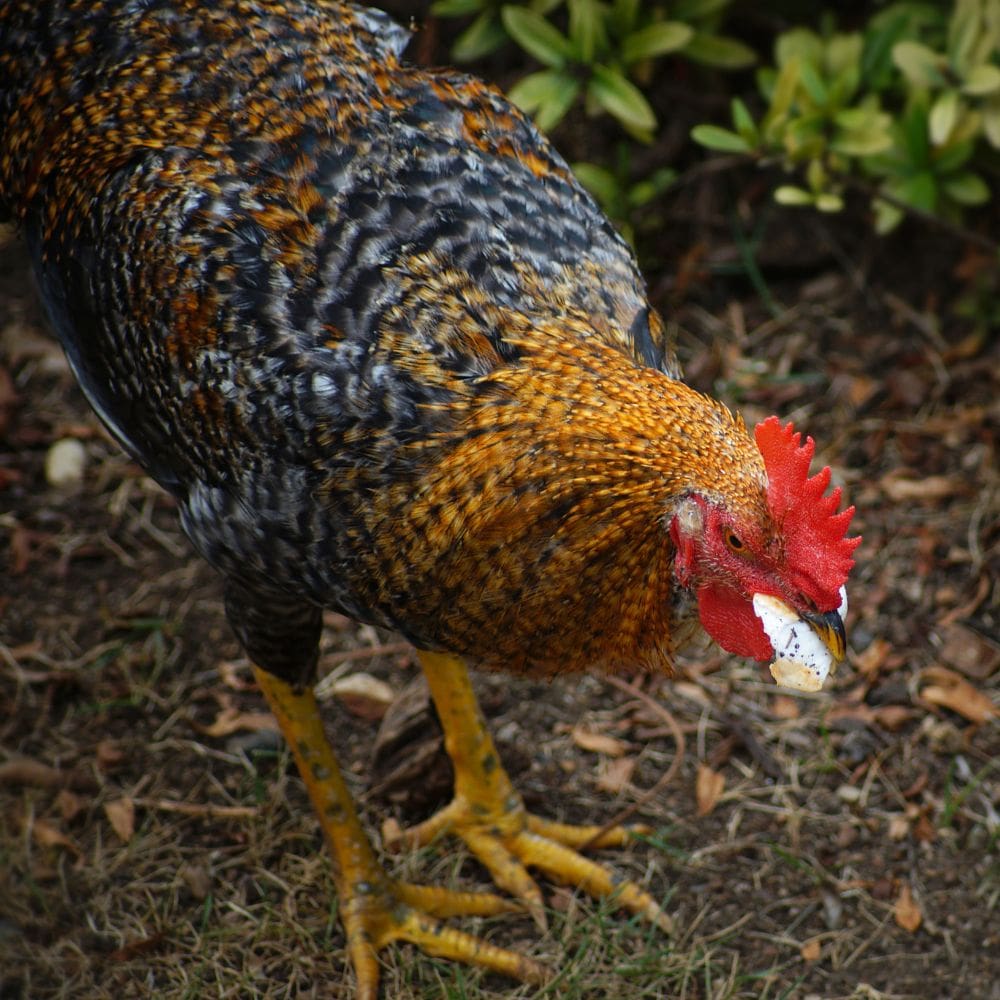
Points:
point(905, 106)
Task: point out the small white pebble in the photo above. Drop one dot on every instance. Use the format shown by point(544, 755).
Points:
point(64, 463)
point(849, 793)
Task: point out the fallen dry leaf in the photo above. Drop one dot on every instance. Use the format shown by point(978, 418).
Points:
point(585, 739)
point(363, 695)
point(893, 717)
point(968, 652)
point(231, 720)
point(393, 837)
point(950, 690)
point(929, 488)
point(811, 950)
point(616, 774)
point(708, 788)
point(109, 755)
point(899, 826)
point(861, 388)
point(26, 771)
point(46, 835)
point(134, 949)
point(69, 805)
point(783, 707)
point(924, 830)
point(197, 878)
point(906, 912)
point(856, 711)
point(871, 659)
point(121, 816)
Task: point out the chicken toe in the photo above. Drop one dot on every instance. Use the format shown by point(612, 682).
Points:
point(489, 815)
point(375, 908)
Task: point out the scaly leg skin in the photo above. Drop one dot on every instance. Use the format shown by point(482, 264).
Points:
point(376, 909)
point(489, 815)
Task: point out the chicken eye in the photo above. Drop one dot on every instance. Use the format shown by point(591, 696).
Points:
point(734, 543)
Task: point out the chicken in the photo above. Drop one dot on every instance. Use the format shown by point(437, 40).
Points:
point(362, 323)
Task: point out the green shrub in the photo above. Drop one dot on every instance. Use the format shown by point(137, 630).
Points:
point(908, 108)
point(602, 55)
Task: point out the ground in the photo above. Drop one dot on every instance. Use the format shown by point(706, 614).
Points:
point(155, 840)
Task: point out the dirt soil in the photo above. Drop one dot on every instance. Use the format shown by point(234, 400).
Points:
point(155, 841)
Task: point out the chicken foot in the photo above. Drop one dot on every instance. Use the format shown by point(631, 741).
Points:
point(375, 908)
point(489, 815)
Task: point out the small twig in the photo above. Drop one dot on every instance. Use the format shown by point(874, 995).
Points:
point(667, 775)
point(366, 653)
point(194, 809)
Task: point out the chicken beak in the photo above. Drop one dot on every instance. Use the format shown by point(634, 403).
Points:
point(830, 629)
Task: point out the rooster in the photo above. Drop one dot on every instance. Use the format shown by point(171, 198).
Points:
point(359, 319)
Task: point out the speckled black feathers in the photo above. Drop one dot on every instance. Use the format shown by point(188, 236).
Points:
point(292, 272)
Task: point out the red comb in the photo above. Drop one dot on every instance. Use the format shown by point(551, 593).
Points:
point(817, 552)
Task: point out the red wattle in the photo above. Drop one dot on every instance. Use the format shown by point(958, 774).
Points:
point(729, 619)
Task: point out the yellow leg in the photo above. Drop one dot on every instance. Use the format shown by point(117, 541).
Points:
point(376, 909)
point(489, 815)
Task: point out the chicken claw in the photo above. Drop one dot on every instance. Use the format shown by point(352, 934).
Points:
point(375, 908)
point(489, 815)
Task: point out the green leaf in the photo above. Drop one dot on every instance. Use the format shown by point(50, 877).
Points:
point(624, 14)
point(743, 121)
point(920, 65)
point(788, 194)
point(829, 202)
point(967, 189)
point(586, 29)
point(600, 182)
point(915, 133)
point(786, 86)
point(943, 116)
point(964, 34)
point(862, 133)
point(817, 176)
point(536, 36)
point(949, 158)
point(981, 80)
point(723, 53)
point(814, 84)
point(548, 95)
point(920, 190)
point(655, 40)
point(621, 98)
point(482, 37)
point(553, 109)
point(697, 10)
point(720, 139)
point(991, 123)
point(876, 59)
point(887, 216)
point(455, 8)
point(844, 86)
point(798, 43)
point(805, 137)
point(843, 52)
point(643, 192)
